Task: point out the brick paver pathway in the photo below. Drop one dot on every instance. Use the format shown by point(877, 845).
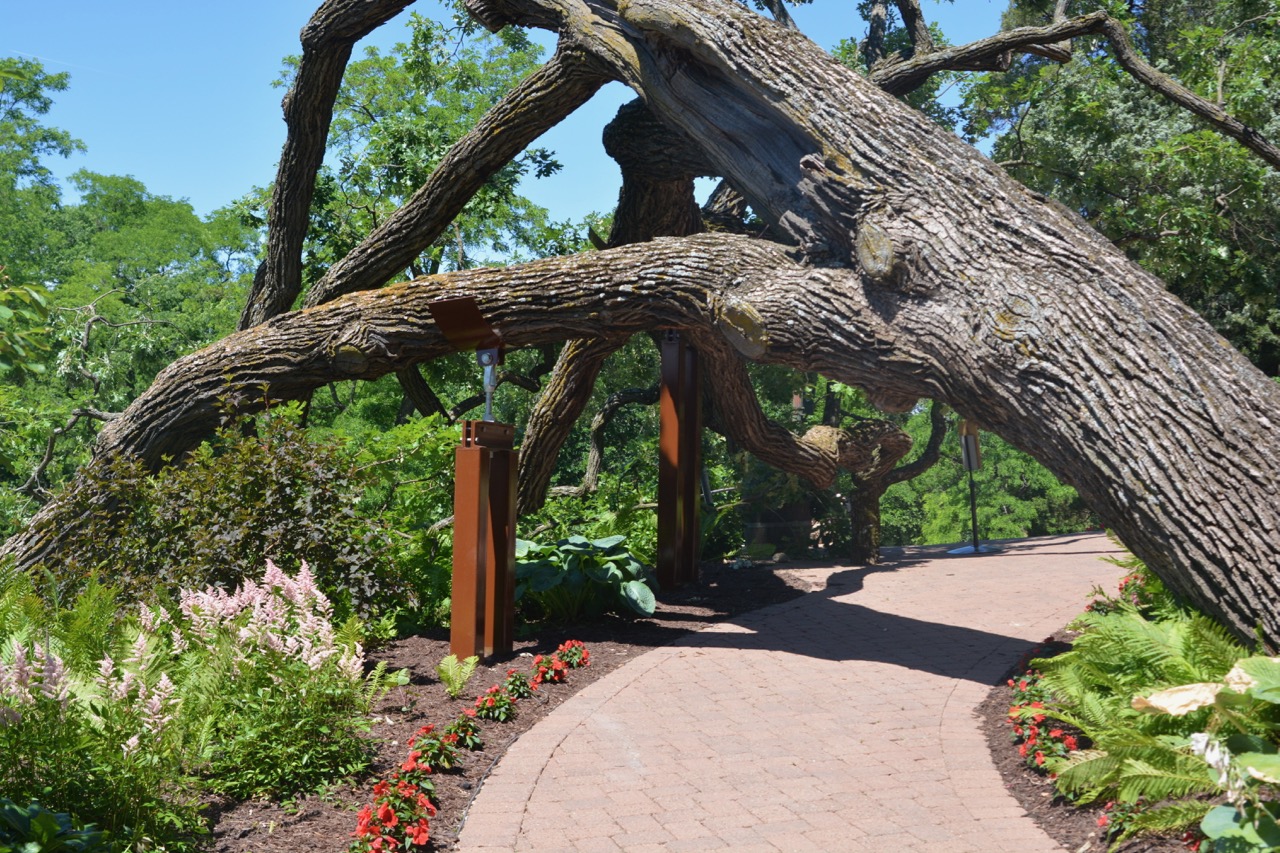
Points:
point(840, 721)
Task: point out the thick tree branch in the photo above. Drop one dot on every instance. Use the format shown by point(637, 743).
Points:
point(917, 26)
point(34, 487)
point(615, 402)
point(327, 40)
point(557, 409)
point(419, 393)
point(932, 449)
point(737, 414)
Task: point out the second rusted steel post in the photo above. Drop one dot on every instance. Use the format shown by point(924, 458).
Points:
point(680, 450)
point(500, 570)
point(483, 598)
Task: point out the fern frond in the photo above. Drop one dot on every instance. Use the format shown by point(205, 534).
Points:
point(87, 629)
point(1165, 819)
point(1088, 774)
point(1168, 779)
point(1210, 648)
point(454, 674)
point(375, 686)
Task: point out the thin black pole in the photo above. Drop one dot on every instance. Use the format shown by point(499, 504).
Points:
point(973, 507)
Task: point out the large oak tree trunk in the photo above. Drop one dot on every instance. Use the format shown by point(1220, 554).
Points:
point(923, 271)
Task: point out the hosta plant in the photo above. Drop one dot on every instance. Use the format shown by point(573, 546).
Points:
point(576, 576)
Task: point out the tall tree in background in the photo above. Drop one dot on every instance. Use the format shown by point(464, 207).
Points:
point(127, 281)
point(29, 195)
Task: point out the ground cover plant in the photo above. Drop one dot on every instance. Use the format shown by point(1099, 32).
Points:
point(398, 817)
point(1160, 716)
point(578, 577)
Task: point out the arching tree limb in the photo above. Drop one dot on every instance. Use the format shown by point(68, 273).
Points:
point(616, 401)
point(327, 40)
point(563, 399)
point(902, 77)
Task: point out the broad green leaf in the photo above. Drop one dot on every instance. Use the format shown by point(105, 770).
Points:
point(639, 597)
point(1261, 766)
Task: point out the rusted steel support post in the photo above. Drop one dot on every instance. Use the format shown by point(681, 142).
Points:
point(500, 572)
point(483, 598)
point(679, 447)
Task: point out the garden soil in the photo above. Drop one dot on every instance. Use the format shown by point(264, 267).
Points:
point(323, 823)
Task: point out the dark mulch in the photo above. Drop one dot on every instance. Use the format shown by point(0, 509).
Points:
point(1075, 828)
point(323, 823)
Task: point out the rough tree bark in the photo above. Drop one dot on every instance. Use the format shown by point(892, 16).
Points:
point(656, 200)
point(923, 271)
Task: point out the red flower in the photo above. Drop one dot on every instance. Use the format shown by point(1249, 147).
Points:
point(380, 788)
point(411, 763)
point(417, 834)
point(1022, 685)
point(1039, 759)
point(1022, 750)
point(1055, 733)
point(1070, 742)
point(362, 822)
point(1102, 820)
point(387, 815)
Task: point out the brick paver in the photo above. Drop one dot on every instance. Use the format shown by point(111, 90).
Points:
point(840, 721)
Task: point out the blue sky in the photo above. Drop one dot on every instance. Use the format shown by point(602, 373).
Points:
point(179, 95)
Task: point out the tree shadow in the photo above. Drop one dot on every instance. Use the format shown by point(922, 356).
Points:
point(820, 626)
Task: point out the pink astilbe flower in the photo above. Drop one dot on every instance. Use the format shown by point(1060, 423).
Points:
point(25, 680)
point(157, 707)
point(282, 615)
point(55, 682)
point(15, 677)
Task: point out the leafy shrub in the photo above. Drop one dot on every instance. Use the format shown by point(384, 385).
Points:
point(110, 755)
point(1239, 746)
point(261, 489)
point(408, 482)
point(256, 689)
point(1138, 652)
point(621, 506)
point(576, 576)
